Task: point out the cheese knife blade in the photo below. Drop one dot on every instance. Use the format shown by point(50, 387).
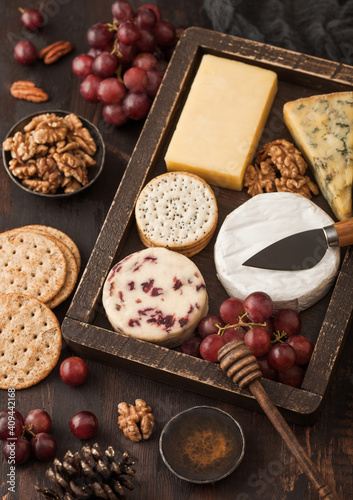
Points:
point(303, 250)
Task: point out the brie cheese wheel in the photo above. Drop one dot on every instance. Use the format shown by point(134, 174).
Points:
point(259, 222)
point(156, 295)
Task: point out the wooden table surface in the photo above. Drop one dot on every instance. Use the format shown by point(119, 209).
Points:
point(268, 471)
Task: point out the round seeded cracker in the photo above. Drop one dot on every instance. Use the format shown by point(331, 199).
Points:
point(70, 279)
point(177, 210)
point(64, 238)
point(30, 341)
point(31, 263)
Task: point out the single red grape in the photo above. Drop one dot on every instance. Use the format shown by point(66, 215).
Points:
point(145, 61)
point(267, 370)
point(210, 346)
point(231, 309)
point(146, 18)
point(135, 79)
point(128, 33)
point(293, 376)
point(94, 52)
point(165, 33)
point(99, 35)
point(303, 348)
point(192, 346)
point(11, 423)
point(18, 450)
point(154, 81)
point(258, 340)
point(154, 8)
point(39, 419)
point(104, 65)
point(84, 425)
point(25, 52)
point(73, 371)
point(136, 106)
point(207, 325)
point(89, 87)
point(31, 19)
point(111, 90)
point(82, 65)
point(259, 306)
point(282, 356)
point(43, 447)
point(287, 320)
point(114, 114)
point(121, 10)
point(147, 41)
point(124, 53)
point(234, 333)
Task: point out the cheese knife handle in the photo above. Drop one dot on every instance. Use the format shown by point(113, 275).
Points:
point(344, 232)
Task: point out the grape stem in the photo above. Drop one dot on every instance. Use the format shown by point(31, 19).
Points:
point(279, 336)
point(118, 73)
point(29, 430)
point(115, 49)
point(112, 26)
point(222, 329)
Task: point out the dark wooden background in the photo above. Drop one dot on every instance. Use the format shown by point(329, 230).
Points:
point(268, 471)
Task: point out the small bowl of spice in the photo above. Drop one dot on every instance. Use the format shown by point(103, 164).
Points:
point(54, 154)
point(202, 444)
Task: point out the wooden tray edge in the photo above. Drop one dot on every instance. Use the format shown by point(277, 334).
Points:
point(180, 370)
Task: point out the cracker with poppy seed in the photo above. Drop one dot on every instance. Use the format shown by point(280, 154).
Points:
point(178, 211)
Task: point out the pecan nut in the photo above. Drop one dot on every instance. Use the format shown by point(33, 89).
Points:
point(27, 91)
point(55, 51)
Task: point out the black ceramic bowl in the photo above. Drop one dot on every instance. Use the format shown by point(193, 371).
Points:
point(202, 444)
point(93, 172)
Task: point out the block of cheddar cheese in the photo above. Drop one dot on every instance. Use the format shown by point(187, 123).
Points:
point(222, 121)
point(322, 127)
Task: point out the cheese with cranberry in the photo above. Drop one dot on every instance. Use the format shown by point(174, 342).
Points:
point(155, 295)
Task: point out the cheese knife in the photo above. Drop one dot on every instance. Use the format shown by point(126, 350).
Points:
point(303, 250)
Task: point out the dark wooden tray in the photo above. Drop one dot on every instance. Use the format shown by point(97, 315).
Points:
point(85, 327)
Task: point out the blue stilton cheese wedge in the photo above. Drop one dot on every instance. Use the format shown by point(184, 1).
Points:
point(322, 127)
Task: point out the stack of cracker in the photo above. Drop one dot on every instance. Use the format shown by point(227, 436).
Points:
point(178, 211)
point(39, 266)
point(40, 261)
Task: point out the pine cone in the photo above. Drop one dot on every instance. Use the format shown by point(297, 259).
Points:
point(89, 474)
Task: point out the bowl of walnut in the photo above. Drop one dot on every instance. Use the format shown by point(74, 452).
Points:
point(54, 154)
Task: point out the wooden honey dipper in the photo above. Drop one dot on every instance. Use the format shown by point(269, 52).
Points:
point(237, 360)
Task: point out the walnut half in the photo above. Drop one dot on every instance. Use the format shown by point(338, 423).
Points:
point(279, 166)
point(137, 421)
point(53, 152)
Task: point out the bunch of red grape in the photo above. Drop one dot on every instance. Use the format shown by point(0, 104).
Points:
point(24, 437)
point(126, 61)
point(273, 338)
